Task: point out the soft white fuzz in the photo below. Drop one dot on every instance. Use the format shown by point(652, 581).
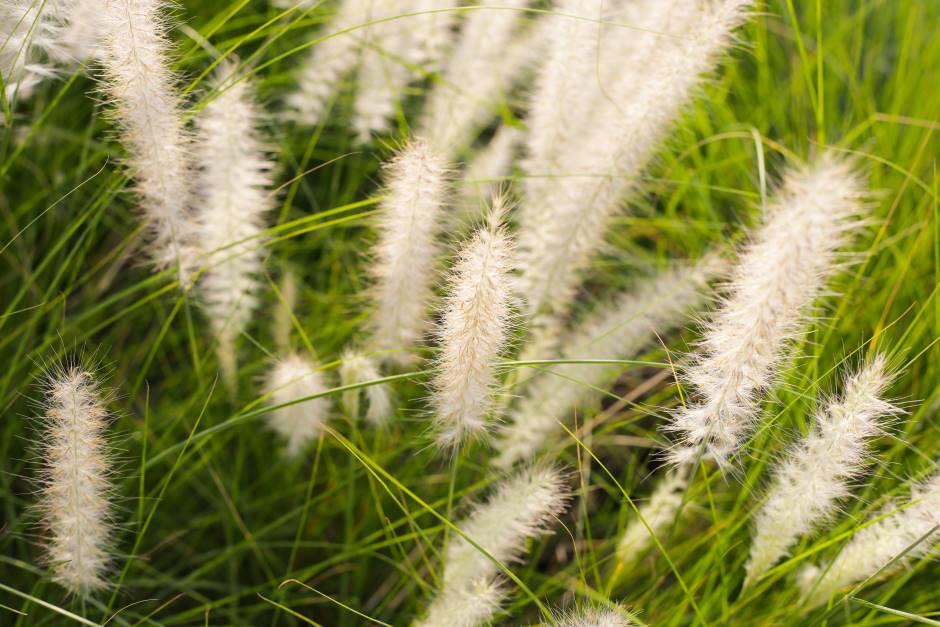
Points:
point(233, 197)
point(564, 226)
point(595, 616)
point(659, 513)
point(617, 331)
point(329, 61)
point(292, 378)
point(416, 190)
point(395, 52)
point(483, 66)
point(29, 34)
point(82, 31)
point(809, 483)
point(911, 529)
point(474, 328)
point(74, 497)
point(465, 606)
point(142, 89)
point(778, 278)
point(357, 368)
point(284, 314)
point(522, 507)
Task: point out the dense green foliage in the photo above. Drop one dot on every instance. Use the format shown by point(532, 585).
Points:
point(216, 527)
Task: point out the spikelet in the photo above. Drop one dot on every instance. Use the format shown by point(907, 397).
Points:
point(292, 378)
point(811, 480)
point(488, 58)
point(522, 507)
point(467, 606)
point(655, 515)
point(329, 61)
point(779, 276)
point(357, 368)
point(596, 616)
point(558, 237)
point(617, 331)
point(75, 494)
point(233, 181)
point(907, 533)
point(29, 34)
point(146, 105)
point(406, 251)
point(473, 332)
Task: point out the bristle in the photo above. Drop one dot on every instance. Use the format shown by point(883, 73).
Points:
point(406, 252)
point(906, 533)
point(292, 378)
point(233, 196)
point(777, 280)
point(611, 615)
point(816, 475)
point(75, 499)
point(474, 328)
point(146, 105)
point(522, 507)
point(615, 332)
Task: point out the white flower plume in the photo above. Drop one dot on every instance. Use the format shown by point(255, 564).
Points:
point(75, 487)
point(778, 278)
point(233, 195)
point(403, 268)
point(656, 515)
point(357, 368)
point(473, 333)
point(811, 480)
point(292, 378)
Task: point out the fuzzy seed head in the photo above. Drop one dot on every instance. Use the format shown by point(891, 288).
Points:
point(774, 286)
point(356, 369)
point(910, 530)
point(293, 378)
point(473, 332)
point(817, 474)
point(466, 606)
point(146, 105)
point(658, 513)
point(30, 33)
point(233, 183)
point(615, 332)
point(596, 616)
point(75, 489)
point(406, 251)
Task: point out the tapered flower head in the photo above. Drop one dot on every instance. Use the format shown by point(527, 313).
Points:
point(295, 378)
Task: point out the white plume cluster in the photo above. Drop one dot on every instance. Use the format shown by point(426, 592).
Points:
point(329, 61)
point(488, 58)
point(655, 515)
point(522, 507)
point(778, 278)
point(417, 187)
point(291, 378)
point(233, 196)
point(564, 217)
point(75, 486)
point(465, 606)
point(474, 329)
point(29, 35)
point(811, 480)
point(357, 368)
point(491, 163)
point(615, 332)
point(142, 89)
point(906, 533)
point(596, 616)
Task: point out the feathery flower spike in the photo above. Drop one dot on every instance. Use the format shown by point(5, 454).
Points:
point(29, 33)
point(598, 616)
point(659, 513)
point(561, 232)
point(779, 276)
point(232, 183)
point(292, 378)
point(146, 105)
point(358, 368)
point(473, 332)
point(522, 507)
point(406, 251)
point(617, 331)
point(75, 499)
point(492, 162)
point(811, 480)
point(911, 530)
